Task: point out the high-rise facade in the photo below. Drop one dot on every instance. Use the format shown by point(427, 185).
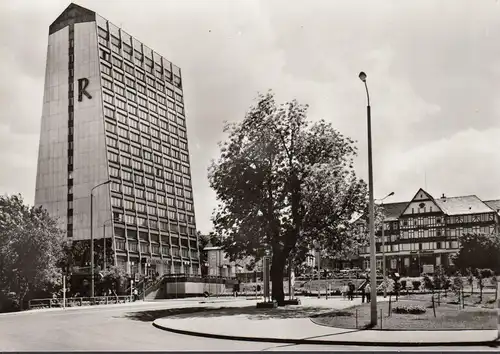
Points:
point(113, 110)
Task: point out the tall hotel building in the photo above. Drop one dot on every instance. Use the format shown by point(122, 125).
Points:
point(113, 110)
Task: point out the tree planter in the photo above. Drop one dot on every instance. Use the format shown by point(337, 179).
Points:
point(292, 302)
point(267, 305)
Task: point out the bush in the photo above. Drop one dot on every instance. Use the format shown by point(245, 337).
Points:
point(416, 284)
point(403, 284)
point(410, 310)
point(428, 283)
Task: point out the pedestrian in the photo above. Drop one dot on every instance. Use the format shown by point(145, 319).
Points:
point(136, 294)
point(345, 291)
point(351, 291)
point(368, 290)
point(363, 292)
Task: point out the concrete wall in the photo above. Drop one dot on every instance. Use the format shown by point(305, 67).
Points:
point(51, 180)
point(182, 288)
point(90, 160)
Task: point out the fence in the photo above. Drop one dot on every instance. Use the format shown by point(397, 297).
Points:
point(78, 301)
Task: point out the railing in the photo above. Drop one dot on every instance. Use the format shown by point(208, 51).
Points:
point(78, 301)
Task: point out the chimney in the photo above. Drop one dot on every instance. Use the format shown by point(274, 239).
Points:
point(443, 196)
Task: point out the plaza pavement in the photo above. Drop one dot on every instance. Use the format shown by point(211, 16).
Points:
point(129, 328)
point(252, 327)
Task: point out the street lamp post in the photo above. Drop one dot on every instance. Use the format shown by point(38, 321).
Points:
point(383, 243)
point(318, 253)
point(373, 262)
point(92, 236)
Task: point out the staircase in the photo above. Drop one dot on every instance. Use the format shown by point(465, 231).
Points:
point(155, 289)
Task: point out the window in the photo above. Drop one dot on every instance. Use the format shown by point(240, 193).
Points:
point(111, 142)
point(129, 68)
point(113, 157)
point(114, 172)
point(141, 208)
point(102, 32)
point(106, 69)
point(138, 179)
point(122, 132)
point(118, 76)
point(104, 54)
point(131, 96)
point(107, 97)
point(133, 123)
point(148, 169)
point(115, 187)
point(130, 219)
point(127, 190)
point(149, 182)
point(121, 118)
point(135, 151)
point(116, 202)
point(151, 210)
point(107, 84)
point(125, 160)
point(137, 165)
point(134, 137)
point(120, 104)
point(139, 193)
point(116, 62)
point(141, 101)
point(129, 82)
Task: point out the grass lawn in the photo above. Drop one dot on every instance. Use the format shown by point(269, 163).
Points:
point(449, 316)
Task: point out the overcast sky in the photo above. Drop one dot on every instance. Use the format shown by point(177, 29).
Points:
point(433, 71)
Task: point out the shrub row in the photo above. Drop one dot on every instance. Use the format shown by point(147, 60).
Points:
point(412, 310)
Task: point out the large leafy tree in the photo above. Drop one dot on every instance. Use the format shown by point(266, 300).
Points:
point(284, 183)
point(478, 251)
point(31, 245)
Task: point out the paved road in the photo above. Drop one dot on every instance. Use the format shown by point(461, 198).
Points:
point(120, 328)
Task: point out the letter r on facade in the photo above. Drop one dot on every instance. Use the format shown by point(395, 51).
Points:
point(82, 86)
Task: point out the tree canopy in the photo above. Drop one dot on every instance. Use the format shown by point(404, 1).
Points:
point(31, 245)
point(284, 183)
point(478, 251)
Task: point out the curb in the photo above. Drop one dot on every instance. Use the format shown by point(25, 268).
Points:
point(492, 343)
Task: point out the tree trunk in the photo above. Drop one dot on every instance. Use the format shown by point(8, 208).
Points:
point(496, 288)
point(277, 269)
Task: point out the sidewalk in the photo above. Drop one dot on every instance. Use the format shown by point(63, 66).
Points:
point(303, 331)
point(167, 303)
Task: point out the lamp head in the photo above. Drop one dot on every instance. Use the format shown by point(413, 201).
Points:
point(391, 194)
point(362, 76)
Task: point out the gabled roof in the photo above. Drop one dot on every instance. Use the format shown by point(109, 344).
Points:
point(493, 204)
point(469, 204)
point(420, 190)
point(392, 211)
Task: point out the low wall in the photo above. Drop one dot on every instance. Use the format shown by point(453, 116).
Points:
point(196, 287)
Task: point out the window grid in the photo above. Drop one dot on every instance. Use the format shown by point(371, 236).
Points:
point(156, 85)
